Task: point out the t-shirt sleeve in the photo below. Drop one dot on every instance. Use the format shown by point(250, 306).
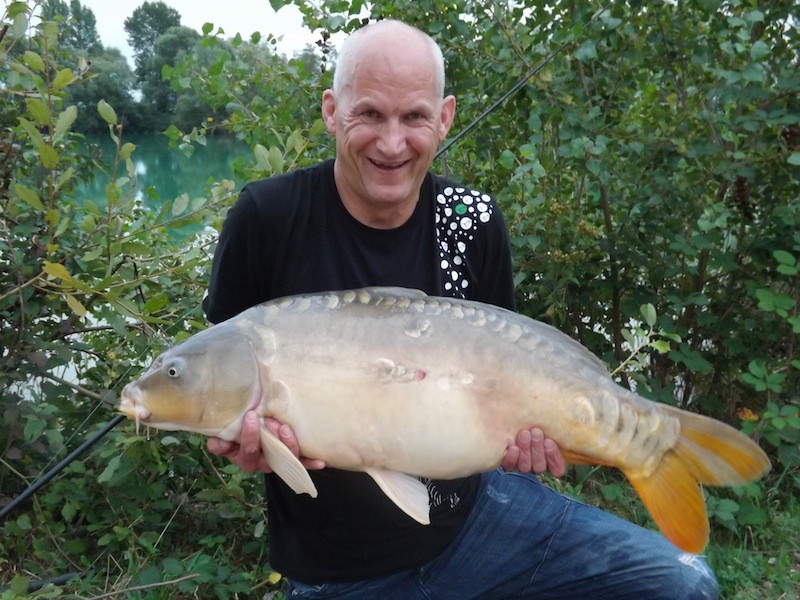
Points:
point(232, 287)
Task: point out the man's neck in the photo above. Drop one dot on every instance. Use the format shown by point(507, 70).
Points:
point(389, 215)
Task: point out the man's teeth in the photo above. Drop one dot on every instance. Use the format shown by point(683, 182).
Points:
point(388, 165)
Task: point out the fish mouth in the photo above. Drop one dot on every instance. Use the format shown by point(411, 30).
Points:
point(132, 407)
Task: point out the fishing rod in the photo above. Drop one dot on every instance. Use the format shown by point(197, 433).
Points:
point(519, 85)
point(45, 479)
point(497, 103)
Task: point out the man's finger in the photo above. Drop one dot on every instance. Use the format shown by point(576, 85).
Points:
point(538, 458)
point(219, 447)
point(287, 436)
point(511, 458)
point(556, 463)
point(249, 439)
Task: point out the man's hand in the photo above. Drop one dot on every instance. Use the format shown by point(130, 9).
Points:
point(534, 452)
point(247, 452)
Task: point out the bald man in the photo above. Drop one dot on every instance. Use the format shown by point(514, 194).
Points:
point(376, 216)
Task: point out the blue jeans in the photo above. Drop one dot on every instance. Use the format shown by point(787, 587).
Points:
point(523, 540)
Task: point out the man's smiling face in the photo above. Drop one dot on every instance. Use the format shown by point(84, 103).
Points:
point(388, 120)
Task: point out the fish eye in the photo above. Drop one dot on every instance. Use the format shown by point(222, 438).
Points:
point(173, 369)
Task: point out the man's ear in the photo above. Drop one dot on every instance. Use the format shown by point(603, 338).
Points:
point(448, 114)
point(329, 110)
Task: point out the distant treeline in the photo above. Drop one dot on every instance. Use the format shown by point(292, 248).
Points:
point(143, 98)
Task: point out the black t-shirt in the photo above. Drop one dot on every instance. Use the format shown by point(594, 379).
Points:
point(291, 234)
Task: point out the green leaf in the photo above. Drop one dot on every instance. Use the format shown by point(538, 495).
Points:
point(755, 16)
point(65, 121)
point(259, 529)
point(262, 157)
point(62, 78)
point(149, 576)
point(754, 72)
point(172, 566)
point(506, 159)
point(757, 368)
point(126, 151)
point(16, 8)
point(48, 156)
point(207, 27)
point(587, 52)
point(75, 305)
point(785, 258)
point(68, 511)
point(759, 50)
point(28, 196)
point(33, 60)
point(769, 301)
point(38, 110)
point(691, 358)
point(107, 112)
point(33, 132)
point(794, 159)
point(649, 313)
point(156, 303)
point(173, 133)
point(20, 25)
point(180, 204)
point(795, 323)
point(660, 346)
point(33, 430)
point(275, 159)
point(20, 585)
point(24, 523)
point(56, 271)
point(110, 469)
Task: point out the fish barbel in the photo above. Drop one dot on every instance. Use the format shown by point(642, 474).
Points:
point(401, 385)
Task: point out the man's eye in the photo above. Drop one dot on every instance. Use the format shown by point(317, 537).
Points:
point(370, 114)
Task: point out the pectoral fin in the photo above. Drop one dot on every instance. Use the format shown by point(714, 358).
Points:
point(286, 465)
point(407, 492)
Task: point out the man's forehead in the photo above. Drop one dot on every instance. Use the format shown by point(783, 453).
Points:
point(401, 73)
point(366, 92)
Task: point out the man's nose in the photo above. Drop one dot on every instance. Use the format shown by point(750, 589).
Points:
point(392, 140)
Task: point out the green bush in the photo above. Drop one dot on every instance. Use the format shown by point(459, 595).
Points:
point(652, 163)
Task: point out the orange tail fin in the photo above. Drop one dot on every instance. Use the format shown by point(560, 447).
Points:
point(708, 452)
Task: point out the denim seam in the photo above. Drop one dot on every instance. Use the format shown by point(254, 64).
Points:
point(547, 549)
point(421, 585)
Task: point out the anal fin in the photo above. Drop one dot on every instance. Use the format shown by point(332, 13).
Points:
point(576, 458)
point(407, 492)
point(286, 465)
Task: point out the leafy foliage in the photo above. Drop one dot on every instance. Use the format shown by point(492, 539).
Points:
point(144, 27)
point(649, 176)
point(86, 289)
point(79, 32)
